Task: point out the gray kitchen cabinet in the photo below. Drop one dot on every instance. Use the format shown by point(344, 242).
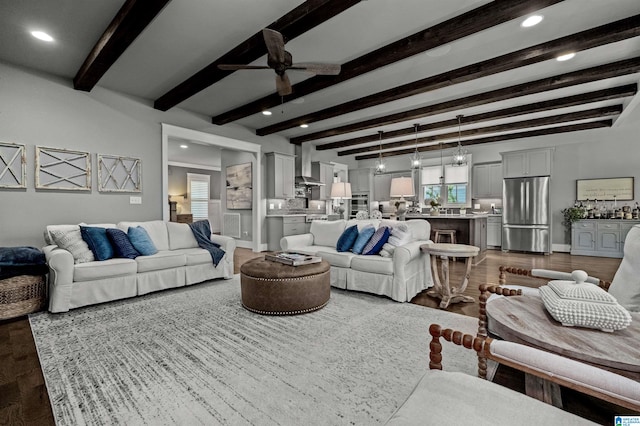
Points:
point(284, 226)
point(280, 175)
point(600, 237)
point(381, 187)
point(487, 180)
point(360, 180)
point(494, 232)
point(324, 173)
point(527, 163)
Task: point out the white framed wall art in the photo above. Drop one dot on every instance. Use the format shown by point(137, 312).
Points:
point(13, 165)
point(63, 169)
point(119, 174)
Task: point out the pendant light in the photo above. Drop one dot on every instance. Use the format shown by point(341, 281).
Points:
point(460, 154)
point(380, 166)
point(416, 158)
point(441, 166)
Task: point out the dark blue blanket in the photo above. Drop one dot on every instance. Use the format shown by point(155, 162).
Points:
point(19, 256)
point(202, 231)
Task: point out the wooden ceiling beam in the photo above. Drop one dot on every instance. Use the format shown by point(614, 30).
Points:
point(479, 19)
point(132, 18)
point(568, 101)
point(498, 138)
point(517, 125)
point(298, 21)
point(588, 39)
point(588, 75)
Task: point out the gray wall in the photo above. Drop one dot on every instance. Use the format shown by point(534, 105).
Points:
point(178, 180)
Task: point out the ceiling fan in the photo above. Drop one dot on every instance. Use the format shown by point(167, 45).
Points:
point(280, 61)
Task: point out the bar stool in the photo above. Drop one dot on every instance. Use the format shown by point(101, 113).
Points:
point(450, 233)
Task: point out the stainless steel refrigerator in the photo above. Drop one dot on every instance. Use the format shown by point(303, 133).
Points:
point(526, 215)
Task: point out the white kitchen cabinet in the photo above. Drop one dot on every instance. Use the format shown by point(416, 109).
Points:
point(527, 163)
point(283, 226)
point(360, 180)
point(487, 180)
point(324, 173)
point(494, 232)
point(600, 237)
point(280, 175)
point(381, 187)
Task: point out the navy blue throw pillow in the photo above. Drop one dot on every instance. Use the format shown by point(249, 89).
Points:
point(346, 240)
point(121, 244)
point(98, 242)
point(376, 242)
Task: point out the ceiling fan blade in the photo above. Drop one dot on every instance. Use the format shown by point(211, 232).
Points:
point(317, 68)
point(283, 85)
point(231, 67)
point(275, 45)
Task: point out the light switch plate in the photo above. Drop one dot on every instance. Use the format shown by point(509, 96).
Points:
point(135, 200)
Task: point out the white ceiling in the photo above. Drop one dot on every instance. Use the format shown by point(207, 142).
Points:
point(189, 34)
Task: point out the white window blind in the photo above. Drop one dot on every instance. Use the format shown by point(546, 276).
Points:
point(431, 175)
point(198, 194)
point(456, 174)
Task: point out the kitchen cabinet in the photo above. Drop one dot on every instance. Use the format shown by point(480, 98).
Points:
point(284, 226)
point(280, 175)
point(494, 232)
point(382, 184)
point(487, 180)
point(360, 180)
point(527, 163)
point(600, 237)
point(324, 173)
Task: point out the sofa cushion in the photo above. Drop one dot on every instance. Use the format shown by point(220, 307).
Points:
point(71, 240)
point(195, 256)
point(327, 233)
point(141, 241)
point(110, 268)
point(341, 260)
point(379, 238)
point(161, 260)
point(157, 230)
point(363, 238)
point(346, 240)
point(98, 242)
point(180, 236)
point(373, 264)
point(122, 247)
point(625, 286)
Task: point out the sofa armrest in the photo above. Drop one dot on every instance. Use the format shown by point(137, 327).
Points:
point(227, 244)
point(408, 252)
point(293, 241)
point(60, 263)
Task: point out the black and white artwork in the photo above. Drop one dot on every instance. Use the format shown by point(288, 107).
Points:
point(13, 162)
point(119, 174)
point(239, 187)
point(63, 169)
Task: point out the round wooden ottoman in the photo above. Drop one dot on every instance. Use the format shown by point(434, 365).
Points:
point(273, 288)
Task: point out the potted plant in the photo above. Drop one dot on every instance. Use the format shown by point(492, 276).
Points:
point(572, 214)
point(435, 204)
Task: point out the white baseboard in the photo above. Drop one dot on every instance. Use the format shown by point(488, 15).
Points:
point(562, 248)
point(264, 247)
point(244, 244)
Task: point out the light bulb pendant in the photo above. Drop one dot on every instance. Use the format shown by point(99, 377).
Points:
point(380, 166)
point(460, 154)
point(416, 158)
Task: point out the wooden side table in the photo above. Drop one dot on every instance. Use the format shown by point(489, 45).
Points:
point(184, 218)
point(441, 288)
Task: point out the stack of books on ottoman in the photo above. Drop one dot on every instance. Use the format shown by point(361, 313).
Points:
point(293, 259)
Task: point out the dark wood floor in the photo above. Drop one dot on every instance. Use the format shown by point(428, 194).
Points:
point(23, 395)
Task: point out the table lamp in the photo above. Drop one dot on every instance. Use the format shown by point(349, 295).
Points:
point(402, 187)
point(341, 191)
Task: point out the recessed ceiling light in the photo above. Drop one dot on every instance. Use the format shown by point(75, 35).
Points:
point(304, 126)
point(265, 112)
point(566, 57)
point(40, 35)
point(183, 146)
point(531, 21)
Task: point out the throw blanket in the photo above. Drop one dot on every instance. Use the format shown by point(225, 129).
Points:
point(16, 261)
point(202, 231)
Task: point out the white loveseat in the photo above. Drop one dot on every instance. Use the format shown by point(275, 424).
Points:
point(400, 277)
point(179, 262)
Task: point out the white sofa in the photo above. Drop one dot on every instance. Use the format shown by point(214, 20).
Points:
point(179, 262)
point(400, 277)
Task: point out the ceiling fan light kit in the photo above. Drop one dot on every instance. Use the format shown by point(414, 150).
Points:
point(280, 61)
point(460, 154)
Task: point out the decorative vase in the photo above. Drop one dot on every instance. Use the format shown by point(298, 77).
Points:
point(435, 212)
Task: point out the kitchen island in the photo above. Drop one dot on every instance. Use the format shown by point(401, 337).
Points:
point(470, 229)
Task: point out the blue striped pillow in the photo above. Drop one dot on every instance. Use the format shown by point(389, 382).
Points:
point(121, 244)
point(376, 242)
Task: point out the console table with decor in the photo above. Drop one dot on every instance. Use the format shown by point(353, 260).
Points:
point(184, 218)
point(600, 237)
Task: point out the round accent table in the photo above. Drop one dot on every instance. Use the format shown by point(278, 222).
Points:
point(273, 288)
point(441, 288)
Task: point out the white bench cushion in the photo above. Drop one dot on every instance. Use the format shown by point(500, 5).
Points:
point(161, 260)
point(375, 264)
point(91, 271)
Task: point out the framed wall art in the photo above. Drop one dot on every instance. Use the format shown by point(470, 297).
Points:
point(119, 174)
point(63, 169)
point(239, 187)
point(605, 189)
point(13, 165)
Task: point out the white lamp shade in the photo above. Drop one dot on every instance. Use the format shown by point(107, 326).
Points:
point(402, 187)
point(341, 190)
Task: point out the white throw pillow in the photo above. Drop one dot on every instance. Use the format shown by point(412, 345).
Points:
point(625, 286)
point(71, 240)
point(327, 233)
point(400, 235)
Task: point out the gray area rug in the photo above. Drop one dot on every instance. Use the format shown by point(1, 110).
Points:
point(195, 356)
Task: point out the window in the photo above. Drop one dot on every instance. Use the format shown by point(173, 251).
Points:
point(450, 180)
point(198, 195)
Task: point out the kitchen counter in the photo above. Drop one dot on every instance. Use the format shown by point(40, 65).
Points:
point(287, 215)
point(468, 216)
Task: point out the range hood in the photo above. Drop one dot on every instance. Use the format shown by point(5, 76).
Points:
point(303, 167)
